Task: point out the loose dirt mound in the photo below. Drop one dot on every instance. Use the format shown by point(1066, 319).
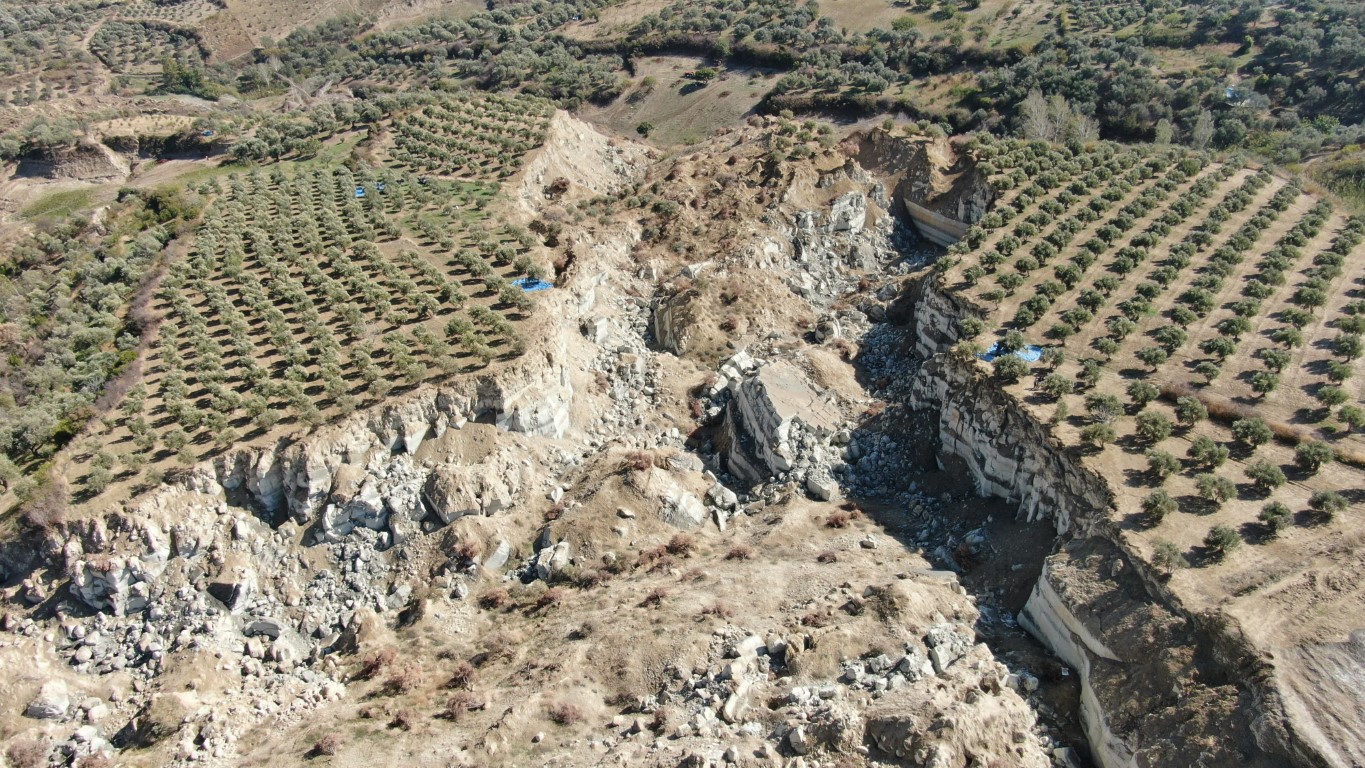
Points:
point(588, 163)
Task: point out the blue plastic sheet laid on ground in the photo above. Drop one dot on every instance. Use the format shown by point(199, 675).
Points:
point(532, 284)
point(1029, 354)
point(359, 191)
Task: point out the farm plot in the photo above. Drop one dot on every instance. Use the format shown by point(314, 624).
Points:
point(133, 46)
point(301, 300)
point(468, 135)
point(1201, 326)
point(186, 12)
point(42, 51)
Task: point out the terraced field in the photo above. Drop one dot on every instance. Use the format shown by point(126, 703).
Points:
point(42, 51)
point(301, 299)
point(133, 46)
point(468, 135)
point(1199, 327)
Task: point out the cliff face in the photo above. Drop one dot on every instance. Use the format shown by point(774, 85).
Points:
point(1159, 686)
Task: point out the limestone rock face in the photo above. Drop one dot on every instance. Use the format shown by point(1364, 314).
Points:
point(672, 320)
point(51, 703)
point(848, 212)
point(453, 491)
point(762, 418)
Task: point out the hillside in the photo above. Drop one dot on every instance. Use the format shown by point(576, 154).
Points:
point(944, 383)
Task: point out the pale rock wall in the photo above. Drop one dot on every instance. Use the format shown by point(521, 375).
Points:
point(1047, 617)
point(1005, 451)
point(1108, 616)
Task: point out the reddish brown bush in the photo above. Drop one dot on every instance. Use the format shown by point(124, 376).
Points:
point(639, 460)
point(816, 620)
point(838, 519)
point(696, 408)
point(681, 545)
point(459, 705)
point(495, 599)
point(828, 556)
point(564, 713)
point(469, 549)
point(740, 552)
point(463, 676)
point(719, 610)
point(403, 680)
point(655, 598)
point(550, 597)
point(375, 662)
point(661, 719)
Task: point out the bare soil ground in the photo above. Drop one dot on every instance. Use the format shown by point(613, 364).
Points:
point(680, 110)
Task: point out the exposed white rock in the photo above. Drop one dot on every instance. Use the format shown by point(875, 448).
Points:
point(51, 703)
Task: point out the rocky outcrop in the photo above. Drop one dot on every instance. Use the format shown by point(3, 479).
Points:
point(772, 414)
point(84, 162)
point(1154, 687)
point(942, 190)
point(671, 321)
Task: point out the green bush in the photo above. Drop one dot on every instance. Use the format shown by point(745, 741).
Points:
point(1311, 455)
point(1153, 427)
point(1157, 506)
point(1252, 432)
point(1276, 517)
point(1221, 540)
point(1214, 488)
point(1266, 475)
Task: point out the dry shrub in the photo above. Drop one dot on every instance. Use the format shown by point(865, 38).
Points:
point(696, 408)
point(816, 620)
point(719, 610)
point(463, 676)
point(639, 460)
point(733, 291)
point(28, 753)
point(497, 647)
point(886, 602)
point(403, 680)
point(681, 545)
point(662, 717)
point(459, 705)
point(404, 720)
point(591, 578)
point(564, 713)
point(469, 549)
point(1226, 411)
point(740, 552)
point(838, 519)
point(555, 512)
point(655, 598)
point(495, 599)
point(828, 556)
point(1348, 456)
point(375, 662)
point(693, 574)
point(651, 556)
point(729, 323)
point(97, 760)
point(329, 744)
point(550, 597)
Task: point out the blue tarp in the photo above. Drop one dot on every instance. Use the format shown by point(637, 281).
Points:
point(1029, 354)
point(359, 191)
point(531, 284)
